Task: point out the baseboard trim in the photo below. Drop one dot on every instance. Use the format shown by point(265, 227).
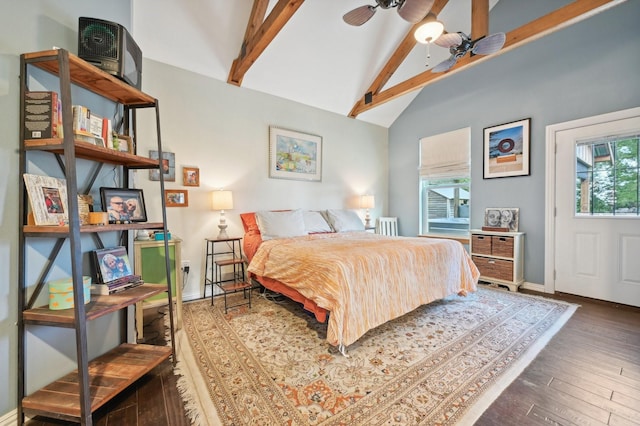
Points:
point(9, 419)
point(533, 286)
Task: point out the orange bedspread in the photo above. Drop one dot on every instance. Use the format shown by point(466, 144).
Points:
point(364, 279)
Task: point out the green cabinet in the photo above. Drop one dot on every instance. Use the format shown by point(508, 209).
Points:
point(149, 263)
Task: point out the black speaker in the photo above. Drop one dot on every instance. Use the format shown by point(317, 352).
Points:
point(110, 47)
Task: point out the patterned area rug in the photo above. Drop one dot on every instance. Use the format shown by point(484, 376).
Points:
point(442, 364)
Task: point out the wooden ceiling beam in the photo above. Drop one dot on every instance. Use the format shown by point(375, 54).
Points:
point(258, 38)
point(479, 18)
point(402, 51)
point(561, 18)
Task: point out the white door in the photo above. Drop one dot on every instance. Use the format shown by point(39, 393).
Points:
point(596, 256)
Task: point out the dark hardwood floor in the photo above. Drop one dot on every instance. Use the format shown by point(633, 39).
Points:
point(151, 401)
point(589, 374)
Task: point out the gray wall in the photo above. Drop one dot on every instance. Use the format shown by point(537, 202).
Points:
point(209, 124)
point(587, 69)
point(31, 26)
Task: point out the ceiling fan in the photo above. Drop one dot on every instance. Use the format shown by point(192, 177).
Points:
point(459, 44)
point(410, 10)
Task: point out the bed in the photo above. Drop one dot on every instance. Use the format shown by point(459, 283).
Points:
point(356, 280)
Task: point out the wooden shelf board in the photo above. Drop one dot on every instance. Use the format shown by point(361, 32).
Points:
point(62, 231)
point(93, 152)
point(91, 78)
point(109, 374)
point(233, 287)
point(99, 306)
point(227, 262)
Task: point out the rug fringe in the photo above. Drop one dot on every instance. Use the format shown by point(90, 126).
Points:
point(188, 389)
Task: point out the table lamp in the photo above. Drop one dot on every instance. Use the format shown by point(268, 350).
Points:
point(222, 200)
point(367, 202)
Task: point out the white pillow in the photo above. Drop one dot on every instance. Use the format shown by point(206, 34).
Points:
point(345, 220)
point(280, 224)
point(315, 222)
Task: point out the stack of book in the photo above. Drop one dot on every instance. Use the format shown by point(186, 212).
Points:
point(117, 285)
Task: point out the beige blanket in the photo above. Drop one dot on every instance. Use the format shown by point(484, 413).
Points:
point(364, 279)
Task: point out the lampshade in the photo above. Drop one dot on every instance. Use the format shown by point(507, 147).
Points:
point(222, 200)
point(429, 30)
point(367, 202)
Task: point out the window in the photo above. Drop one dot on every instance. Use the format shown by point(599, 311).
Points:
point(445, 183)
point(607, 176)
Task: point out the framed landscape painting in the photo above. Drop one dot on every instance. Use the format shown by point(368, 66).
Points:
point(294, 155)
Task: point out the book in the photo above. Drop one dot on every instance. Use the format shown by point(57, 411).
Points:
point(81, 119)
point(96, 140)
point(107, 132)
point(106, 289)
point(40, 115)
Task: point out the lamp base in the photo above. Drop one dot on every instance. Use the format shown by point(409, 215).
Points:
point(223, 232)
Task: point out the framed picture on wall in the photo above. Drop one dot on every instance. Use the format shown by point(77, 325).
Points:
point(294, 155)
point(176, 197)
point(191, 176)
point(167, 166)
point(506, 149)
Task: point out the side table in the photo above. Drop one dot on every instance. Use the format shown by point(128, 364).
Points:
point(227, 254)
point(149, 263)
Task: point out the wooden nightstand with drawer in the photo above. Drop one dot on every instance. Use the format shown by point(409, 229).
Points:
point(499, 256)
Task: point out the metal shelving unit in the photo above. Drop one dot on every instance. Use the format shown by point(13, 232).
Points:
point(75, 396)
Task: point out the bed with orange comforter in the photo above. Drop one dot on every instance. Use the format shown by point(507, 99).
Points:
point(363, 280)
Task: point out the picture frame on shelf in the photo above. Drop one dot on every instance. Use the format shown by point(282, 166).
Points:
point(501, 218)
point(191, 176)
point(167, 165)
point(176, 197)
point(294, 155)
point(123, 143)
point(111, 264)
point(123, 205)
point(48, 199)
point(506, 149)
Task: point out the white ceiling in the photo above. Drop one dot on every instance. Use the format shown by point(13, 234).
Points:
point(316, 59)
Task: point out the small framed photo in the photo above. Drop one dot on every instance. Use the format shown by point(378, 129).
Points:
point(48, 198)
point(176, 197)
point(190, 176)
point(294, 155)
point(111, 264)
point(500, 217)
point(167, 165)
point(123, 205)
point(506, 149)
point(123, 143)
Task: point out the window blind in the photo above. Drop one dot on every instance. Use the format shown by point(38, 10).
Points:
point(445, 155)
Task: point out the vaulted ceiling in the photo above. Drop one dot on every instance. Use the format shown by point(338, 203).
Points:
point(303, 51)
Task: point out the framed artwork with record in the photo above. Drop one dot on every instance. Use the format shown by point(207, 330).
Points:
point(506, 149)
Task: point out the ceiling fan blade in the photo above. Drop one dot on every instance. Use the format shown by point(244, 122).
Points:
point(445, 65)
point(414, 10)
point(490, 44)
point(359, 15)
point(449, 40)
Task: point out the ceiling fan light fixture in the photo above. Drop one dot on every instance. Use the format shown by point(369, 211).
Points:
point(429, 30)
